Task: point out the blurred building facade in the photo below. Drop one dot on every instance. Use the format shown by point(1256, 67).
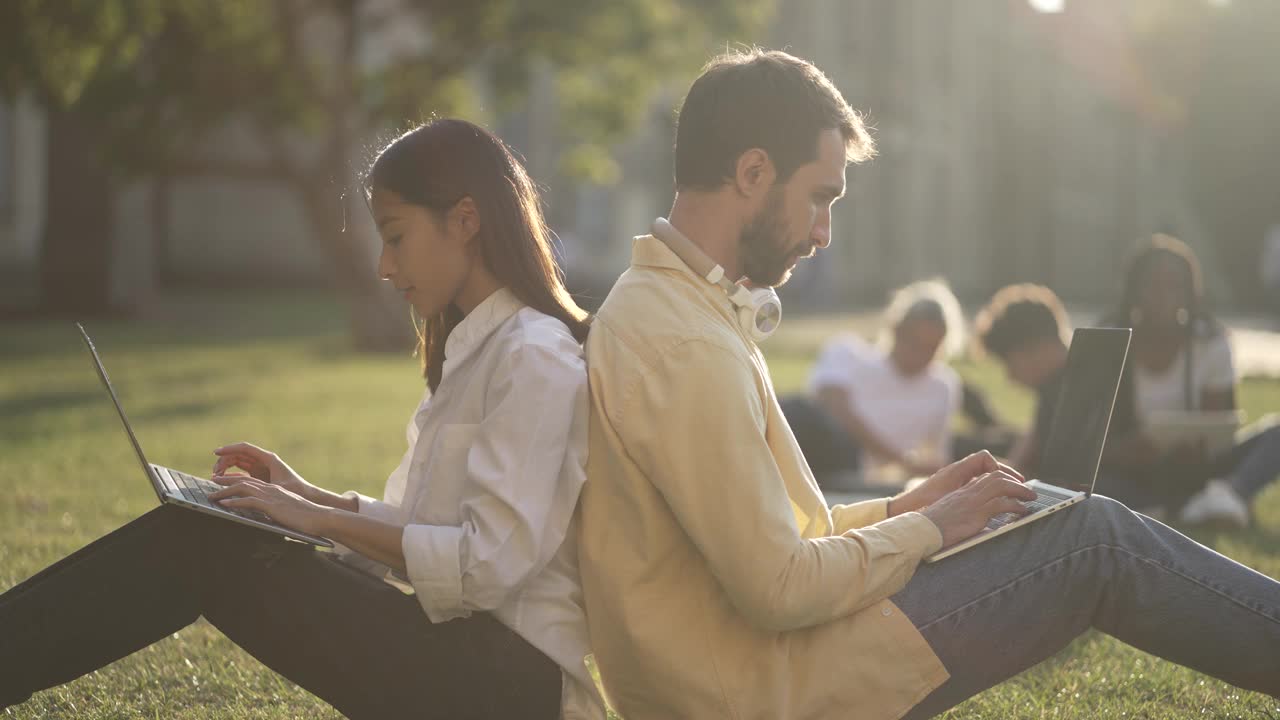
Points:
point(1003, 158)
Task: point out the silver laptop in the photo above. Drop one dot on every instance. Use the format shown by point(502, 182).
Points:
point(187, 491)
point(1077, 433)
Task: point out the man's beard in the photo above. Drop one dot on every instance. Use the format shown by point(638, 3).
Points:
point(766, 257)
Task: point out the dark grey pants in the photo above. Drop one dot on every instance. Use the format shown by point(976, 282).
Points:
point(359, 644)
point(1003, 606)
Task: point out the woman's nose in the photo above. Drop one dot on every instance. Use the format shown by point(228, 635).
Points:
point(385, 266)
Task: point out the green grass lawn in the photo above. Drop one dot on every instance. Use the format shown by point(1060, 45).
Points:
point(278, 370)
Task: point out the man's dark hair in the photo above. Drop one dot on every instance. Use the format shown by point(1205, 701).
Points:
point(760, 99)
point(1018, 316)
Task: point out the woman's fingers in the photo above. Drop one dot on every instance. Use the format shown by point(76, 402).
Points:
point(248, 450)
point(239, 487)
point(230, 478)
point(244, 462)
point(248, 503)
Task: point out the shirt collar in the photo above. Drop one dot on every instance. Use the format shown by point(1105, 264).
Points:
point(649, 251)
point(478, 325)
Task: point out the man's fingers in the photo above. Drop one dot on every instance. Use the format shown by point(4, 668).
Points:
point(997, 484)
point(979, 463)
point(1011, 471)
point(1001, 505)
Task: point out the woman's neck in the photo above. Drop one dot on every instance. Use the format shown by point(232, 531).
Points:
point(479, 286)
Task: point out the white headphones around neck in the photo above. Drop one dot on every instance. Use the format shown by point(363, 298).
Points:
point(759, 309)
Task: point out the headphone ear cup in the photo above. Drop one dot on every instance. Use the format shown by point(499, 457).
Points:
point(762, 316)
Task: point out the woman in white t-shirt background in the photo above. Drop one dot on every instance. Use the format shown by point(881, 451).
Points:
point(1180, 360)
point(875, 411)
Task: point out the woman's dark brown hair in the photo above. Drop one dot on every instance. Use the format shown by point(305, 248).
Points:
point(438, 164)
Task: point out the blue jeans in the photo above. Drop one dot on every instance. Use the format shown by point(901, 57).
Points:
point(995, 610)
point(1254, 462)
point(1250, 466)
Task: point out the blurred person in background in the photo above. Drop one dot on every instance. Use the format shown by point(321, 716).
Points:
point(886, 409)
point(1026, 329)
point(457, 594)
point(1270, 265)
point(873, 407)
point(1181, 361)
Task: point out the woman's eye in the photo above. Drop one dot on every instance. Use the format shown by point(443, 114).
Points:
point(394, 240)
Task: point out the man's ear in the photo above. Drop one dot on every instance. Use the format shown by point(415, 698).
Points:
point(754, 173)
point(465, 218)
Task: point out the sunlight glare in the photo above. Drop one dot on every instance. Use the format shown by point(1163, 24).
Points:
point(1048, 6)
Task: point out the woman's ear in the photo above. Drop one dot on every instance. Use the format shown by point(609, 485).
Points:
point(465, 219)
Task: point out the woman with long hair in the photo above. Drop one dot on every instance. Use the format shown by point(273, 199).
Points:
point(457, 594)
point(1181, 361)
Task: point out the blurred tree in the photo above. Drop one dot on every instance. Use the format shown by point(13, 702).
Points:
point(132, 86)
point(1216, 61)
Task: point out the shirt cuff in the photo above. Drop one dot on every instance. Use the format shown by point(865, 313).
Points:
point(431, 557)
point(858, 515)
point(375, 509)
point(914, 532)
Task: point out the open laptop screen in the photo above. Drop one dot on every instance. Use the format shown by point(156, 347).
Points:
point(1082, 413)
point(106, 382)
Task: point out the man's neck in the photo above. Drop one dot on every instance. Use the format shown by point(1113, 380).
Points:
point(708, 220)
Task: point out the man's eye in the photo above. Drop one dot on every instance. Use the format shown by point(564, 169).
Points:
point(394, 240)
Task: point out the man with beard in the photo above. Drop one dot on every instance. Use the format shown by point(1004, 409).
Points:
point(717, 582)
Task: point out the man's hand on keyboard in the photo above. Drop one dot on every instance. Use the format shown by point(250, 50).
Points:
point(948, 480)
point(964, 513)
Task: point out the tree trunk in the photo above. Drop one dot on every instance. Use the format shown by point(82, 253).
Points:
point(75, 263)
point(379, 318)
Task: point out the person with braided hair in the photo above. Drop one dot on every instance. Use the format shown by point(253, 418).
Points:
point(1181, 361)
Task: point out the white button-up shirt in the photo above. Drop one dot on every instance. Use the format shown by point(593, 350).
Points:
point(488, 486)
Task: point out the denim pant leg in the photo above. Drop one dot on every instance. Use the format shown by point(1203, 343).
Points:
point(995, 610)
point(1255, 461)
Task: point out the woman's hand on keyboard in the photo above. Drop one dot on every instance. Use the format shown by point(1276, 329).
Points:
point(241, 492)
point(267, 467)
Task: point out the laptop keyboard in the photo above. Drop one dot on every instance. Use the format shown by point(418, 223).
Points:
point(197, 490)
point(1045, 498)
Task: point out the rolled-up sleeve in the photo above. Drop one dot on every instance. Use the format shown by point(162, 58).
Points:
point(859, 514)
point(695, 425)
point(376, 509)
point(517, 504)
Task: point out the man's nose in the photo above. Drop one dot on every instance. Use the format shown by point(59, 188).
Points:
point(821, 233)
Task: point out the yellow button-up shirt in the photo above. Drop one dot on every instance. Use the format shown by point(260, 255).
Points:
point(718, 584)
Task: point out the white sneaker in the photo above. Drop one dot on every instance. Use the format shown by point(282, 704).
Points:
point(1217, 503)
